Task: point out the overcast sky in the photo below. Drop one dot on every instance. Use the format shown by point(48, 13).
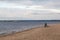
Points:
point(29, 9)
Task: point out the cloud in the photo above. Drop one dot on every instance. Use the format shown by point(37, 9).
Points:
point(30, 9)
point(47, 3)
point(27, 14)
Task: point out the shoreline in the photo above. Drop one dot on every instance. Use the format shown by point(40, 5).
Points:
point(52, 33)
point(14, 32)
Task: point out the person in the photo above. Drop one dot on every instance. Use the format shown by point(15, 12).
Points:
point(45, 25)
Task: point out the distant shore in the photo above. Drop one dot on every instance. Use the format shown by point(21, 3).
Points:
point(50, 33)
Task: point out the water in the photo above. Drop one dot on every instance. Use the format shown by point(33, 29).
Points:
point(15, 26)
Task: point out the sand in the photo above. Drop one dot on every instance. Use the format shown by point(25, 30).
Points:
point(50, 33)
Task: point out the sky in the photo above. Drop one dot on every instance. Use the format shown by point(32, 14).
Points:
point(29, 9)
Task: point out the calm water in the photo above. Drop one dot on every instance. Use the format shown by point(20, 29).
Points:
point(9, 26)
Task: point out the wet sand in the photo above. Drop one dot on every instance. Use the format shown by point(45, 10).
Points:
point(49, 33)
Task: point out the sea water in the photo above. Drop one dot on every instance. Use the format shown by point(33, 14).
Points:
point(19, 25)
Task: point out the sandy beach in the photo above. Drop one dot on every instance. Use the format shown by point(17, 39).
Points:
point(50, 33)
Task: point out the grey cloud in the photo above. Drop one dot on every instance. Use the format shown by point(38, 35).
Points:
point(47, 3)
point(45, 14)
point(14, 18)
point(19, 2)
